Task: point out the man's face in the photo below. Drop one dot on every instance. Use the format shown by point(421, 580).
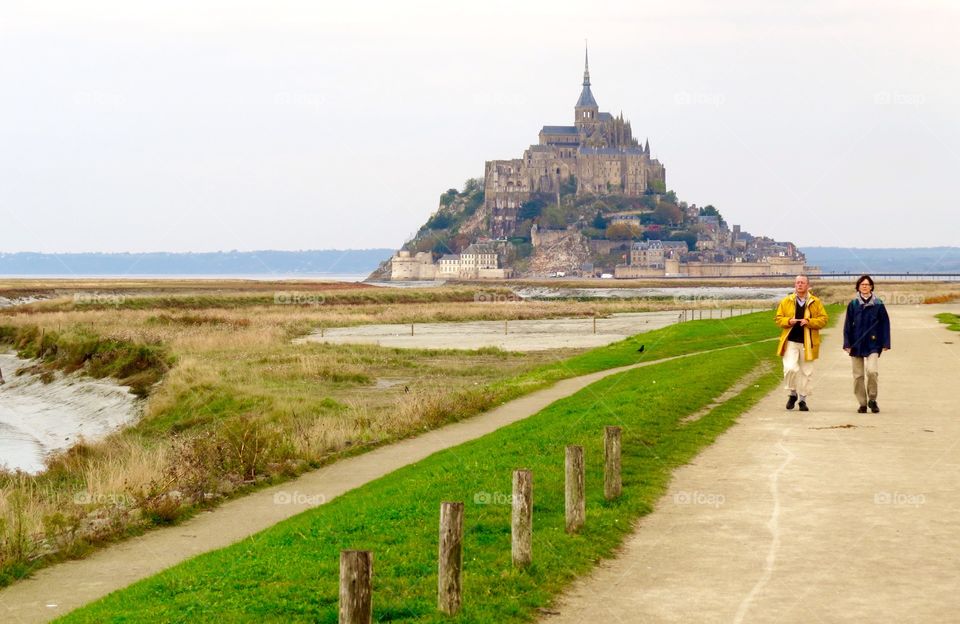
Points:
point(800, 286)
point(865, 288)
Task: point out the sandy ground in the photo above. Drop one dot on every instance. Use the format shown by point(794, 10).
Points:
point(58, 589)
point(828, 516)
point(37, 418)
point(527, 335)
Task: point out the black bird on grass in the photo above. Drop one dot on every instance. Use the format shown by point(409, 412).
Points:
point(640, 350)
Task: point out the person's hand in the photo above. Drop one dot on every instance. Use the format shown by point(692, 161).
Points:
point(793, 321)
point(804, 322)
point(847, 349)
point(886, 348)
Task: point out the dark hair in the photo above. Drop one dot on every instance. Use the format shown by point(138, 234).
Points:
point(864, 278)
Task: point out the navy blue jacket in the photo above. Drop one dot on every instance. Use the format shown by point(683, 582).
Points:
point(866, 329)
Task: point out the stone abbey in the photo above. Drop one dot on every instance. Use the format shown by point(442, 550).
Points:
point(598, 153)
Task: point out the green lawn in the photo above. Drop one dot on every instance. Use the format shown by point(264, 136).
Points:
point(290, 571)
point(951, 320)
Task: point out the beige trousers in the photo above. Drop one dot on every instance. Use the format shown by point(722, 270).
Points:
point(869, 368)
point(797, 371)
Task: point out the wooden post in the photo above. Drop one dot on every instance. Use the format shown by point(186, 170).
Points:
point(356, 570)
point(450, 558)
point(612, 484)
point(411, 329)
point(594, 324)
point(575, 504)
point(505, 328)
point(521, 525)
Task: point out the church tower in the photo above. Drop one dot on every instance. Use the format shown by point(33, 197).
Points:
point(586, 111)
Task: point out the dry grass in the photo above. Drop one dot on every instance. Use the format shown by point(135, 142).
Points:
point(243, 405)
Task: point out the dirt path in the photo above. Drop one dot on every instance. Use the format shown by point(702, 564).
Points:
point(56, 590)
point(828, 516)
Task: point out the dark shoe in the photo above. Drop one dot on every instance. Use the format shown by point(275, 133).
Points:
point(862, 409)
point(803, 406)
point(791, 401)
point(874, 407)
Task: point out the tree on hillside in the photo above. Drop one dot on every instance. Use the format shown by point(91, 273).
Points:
point(439, 221)
point(667, 213)
point(710, 211)
point(447, 198)
point(598, 221)
point(472, 186)
point(531, 209)
point(623, 231)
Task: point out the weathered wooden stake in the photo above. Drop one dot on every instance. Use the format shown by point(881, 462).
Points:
point(594, 324)
point(451, 558)
point(505, 328)
point(411, 329)
point(576, 508)
point(612, 484)
point(521, 525)
point(356, 570)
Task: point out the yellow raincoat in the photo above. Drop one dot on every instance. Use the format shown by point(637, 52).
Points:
point(815, 314)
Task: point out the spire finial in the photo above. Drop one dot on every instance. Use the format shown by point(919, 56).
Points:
point(586, 64)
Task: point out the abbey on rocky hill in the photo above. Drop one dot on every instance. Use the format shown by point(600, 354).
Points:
point(598, 154)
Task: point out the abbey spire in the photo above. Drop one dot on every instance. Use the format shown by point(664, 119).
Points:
point(586, 110)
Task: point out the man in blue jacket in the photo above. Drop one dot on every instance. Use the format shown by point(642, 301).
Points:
point(866, 334)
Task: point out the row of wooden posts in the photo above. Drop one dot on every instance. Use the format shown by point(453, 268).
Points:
point(356, 566)
point(685, 315)
point(697, 314)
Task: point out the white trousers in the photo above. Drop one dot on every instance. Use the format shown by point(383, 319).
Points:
point(797, 371)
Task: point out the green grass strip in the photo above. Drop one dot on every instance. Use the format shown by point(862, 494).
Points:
point(289, 573)
point(952, 321)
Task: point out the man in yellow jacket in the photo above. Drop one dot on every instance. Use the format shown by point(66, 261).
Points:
point(800, 316)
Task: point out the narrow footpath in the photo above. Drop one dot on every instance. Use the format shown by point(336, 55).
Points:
point(825, 516)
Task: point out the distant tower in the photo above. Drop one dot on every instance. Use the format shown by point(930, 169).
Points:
point(586, 111)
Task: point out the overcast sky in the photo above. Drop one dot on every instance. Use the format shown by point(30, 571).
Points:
point(199, 125)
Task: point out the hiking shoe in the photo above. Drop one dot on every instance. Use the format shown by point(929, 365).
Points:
point(862, 409)
point(791, 401)
point(873, 407)
point(803, 406)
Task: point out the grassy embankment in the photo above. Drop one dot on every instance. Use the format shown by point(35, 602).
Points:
point(242, 406)
point(290, 572)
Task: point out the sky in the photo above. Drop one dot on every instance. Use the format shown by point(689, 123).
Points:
point(232, 125)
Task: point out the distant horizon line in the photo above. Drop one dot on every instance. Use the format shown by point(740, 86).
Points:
point(378, 249)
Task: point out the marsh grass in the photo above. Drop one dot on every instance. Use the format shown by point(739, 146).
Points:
point(241, 406)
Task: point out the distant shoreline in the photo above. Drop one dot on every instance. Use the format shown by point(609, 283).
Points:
point(260, 277)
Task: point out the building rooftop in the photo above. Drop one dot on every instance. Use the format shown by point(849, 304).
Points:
point(560, 130)
point(612, 151)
